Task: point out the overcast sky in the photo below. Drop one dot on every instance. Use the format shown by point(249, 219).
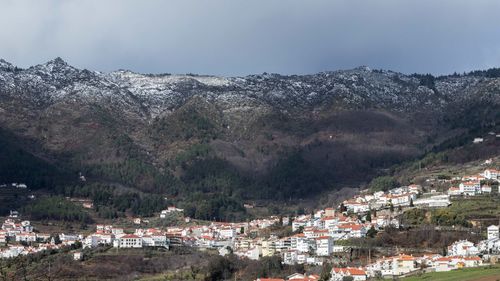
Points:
point(236, 37)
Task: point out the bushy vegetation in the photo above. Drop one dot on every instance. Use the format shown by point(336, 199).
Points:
point(186, 123)
point(56, 208)
point(195, 151)
point(427, 80)
point(383, 183)
point(111, 202)
point(135, 173)
point(17, 165)
point(216, 207)
point(464, 274)
point(458, 214)
point(294, 177)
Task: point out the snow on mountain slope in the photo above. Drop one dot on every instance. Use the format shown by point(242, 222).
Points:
point(156, 95)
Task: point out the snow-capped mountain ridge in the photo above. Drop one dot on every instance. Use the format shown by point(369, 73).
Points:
point(373, 118)
point(360, 87)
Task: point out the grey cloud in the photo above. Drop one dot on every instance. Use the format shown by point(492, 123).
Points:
point(236, 37)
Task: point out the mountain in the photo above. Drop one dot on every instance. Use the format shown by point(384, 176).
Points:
point(259, 136)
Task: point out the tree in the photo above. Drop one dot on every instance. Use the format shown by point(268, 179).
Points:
point(194, 272)
point(220, 268)
point(391, 207)
point(342, 208)
point(383, 183)
point(326, 272)
point(368, 216)
point(372, 232)
point(4, 270)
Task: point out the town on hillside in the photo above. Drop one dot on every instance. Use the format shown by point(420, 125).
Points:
point(319, 238)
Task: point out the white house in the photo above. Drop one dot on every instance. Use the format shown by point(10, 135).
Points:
point(357, 207)
point(170, 209)
point(227, 232)
point(324, 246)
point(338, 274)
point(130, 241)
point(486, 189)
point(289, 257)
point(478, 140)
point(252, 253)
point(491, 174)
point(77, 256)
point(298, 223)
point(414, 188)
point(26, 237)
point(462, 248)
point(91, 241)
point(3, 237)
point(392, 266)
point(489, 246)
point(454, 191)
point(470, 188)
point(493, 232)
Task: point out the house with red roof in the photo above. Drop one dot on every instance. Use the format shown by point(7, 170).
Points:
point(491, 174)
point(324, 246)
point(338, 274)
point(130, 241)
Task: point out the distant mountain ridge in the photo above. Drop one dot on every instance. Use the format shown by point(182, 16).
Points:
point(331, 128)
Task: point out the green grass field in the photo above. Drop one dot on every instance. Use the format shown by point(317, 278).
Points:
point(489, 273)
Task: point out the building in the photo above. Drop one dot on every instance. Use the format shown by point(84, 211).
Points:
point(470, 188)
point(455, 262)
point(493, 232)
point(486, 189)
point(415, 188)
point(338, 274)
point(330, 212)
point(392, 266)
point(356, 207)
point(454, 191)
point(478, 140)
point(491, 174)
point(324, 246)
point(77, 256)
point(462, 248)
point(130, 241)
point(26, 237)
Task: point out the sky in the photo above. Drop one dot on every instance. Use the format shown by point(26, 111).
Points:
point(240, 37)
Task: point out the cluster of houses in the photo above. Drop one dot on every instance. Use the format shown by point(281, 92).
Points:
point(22, 235)
point(109, 235)
point(400, 265)
point(14, 185)
point(313, 241)
point(474, 184)
point(170, 210)
point(293, 277)
point(491, 246)
point(401, 196)
point(404, 196)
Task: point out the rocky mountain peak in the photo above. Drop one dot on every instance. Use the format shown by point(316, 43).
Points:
point(57, 65)
point(5, 65)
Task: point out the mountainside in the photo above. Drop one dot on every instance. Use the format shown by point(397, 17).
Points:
point(259, 136)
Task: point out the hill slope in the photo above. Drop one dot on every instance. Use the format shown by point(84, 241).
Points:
point(259, 136)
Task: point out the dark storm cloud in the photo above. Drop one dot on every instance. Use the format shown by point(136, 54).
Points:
point(241, 37)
